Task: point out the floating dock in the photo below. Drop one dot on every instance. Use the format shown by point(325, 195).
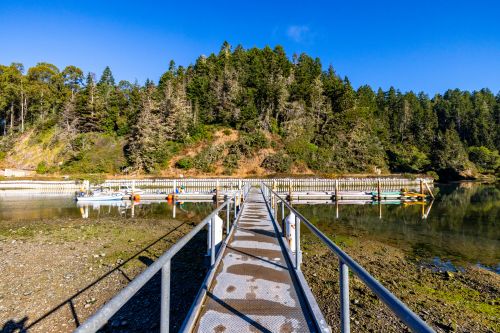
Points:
point(177, 197)
point(354, 196)
point(254, 282)
point(254, 289)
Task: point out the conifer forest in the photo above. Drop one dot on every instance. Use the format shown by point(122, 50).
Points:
point(291, 112)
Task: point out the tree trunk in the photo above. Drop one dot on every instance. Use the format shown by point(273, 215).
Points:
point(42, 111)
point(25, 106)
point(22, 113)
point(11, 116)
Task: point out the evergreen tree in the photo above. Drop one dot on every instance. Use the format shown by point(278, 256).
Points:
point(107, 78)
point(146, 150)
point(177, 111)
point(316, 119)
point(449, 157)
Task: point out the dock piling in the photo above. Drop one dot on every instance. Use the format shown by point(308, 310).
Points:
point(379, 190)
point(429, 189)
point(297, 243)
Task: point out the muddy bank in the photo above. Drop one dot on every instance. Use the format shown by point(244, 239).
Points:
point(56, 274)
point(464, 301)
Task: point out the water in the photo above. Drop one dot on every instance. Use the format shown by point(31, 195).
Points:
point(462, 226)
point(23, 209)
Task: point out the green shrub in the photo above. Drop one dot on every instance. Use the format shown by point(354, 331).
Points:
point(230, 163)
point(6, 145)
point(207, 158)
point(239, 148)
point(123, 126)
point(278, 162)
point(42, 168)
point(432, 174)
point(256, 140)
point(320, 160)
point(249, 113)
point(185, 163)
point(450, 159)
point(166, 152)
point(274, 127)
point(250, 126)
point(248, 144)
point(487, 161)
point(226, 132)
point(201, 132)
point(301, 149)
point(407, 159)
point(97, 153)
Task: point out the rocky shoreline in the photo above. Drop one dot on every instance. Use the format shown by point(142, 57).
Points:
point(463, 301)
point(65, 270)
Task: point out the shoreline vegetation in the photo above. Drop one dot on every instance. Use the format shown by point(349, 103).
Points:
point(482, 178)
point(241, 112)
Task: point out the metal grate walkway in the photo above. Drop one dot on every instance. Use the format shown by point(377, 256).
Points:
point(253, 289)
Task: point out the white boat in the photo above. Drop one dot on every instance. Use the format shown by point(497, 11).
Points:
point(128, 190)
point(101, 195)
point(103, 203)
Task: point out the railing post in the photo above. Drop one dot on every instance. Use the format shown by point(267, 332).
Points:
point(336, 190)
point(209, 236)
point(228, 211)
point(217, 193)
point(298, 258)
point(379, 190)
point(345, 324)
point(271, 202)
point(283, 218)
point(165, 298)
point(276, 209)
point(212, 243)
point(234, 207)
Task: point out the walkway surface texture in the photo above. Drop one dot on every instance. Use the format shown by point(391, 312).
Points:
point(253, 289)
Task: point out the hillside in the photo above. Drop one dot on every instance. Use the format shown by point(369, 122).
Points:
point(224, 151)
point(241, 112)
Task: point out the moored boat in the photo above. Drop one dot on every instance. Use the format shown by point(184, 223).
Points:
point(101, 195)
point(129, 191)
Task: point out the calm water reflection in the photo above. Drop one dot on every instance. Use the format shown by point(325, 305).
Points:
point(15, 208)
point(461, 227)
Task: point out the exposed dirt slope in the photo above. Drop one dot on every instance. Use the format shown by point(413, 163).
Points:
point(32, 148)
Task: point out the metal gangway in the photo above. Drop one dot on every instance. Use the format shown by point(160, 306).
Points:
point(254, 282)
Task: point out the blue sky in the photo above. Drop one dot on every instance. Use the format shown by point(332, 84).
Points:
point(413, 45)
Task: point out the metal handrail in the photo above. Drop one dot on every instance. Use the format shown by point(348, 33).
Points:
point(106, 312)
point(412, 320)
